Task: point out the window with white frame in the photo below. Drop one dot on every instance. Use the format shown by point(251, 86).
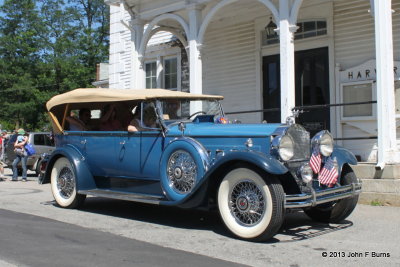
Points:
point(163, 72)
point(306, 29)
point(359, 92)
point(151, 74)
point(171, 73)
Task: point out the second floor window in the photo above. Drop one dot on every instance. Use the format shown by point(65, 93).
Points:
point(170, 73)
point(151, 74)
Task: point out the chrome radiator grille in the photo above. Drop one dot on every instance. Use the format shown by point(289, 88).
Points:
point(301, 140)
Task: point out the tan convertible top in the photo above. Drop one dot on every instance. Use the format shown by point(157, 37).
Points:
point(59, 106)
point(90, 95)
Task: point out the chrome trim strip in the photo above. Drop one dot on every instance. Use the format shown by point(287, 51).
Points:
point(137, 197)
point(323, 196)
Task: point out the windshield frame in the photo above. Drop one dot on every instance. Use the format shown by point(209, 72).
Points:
point(166, 126)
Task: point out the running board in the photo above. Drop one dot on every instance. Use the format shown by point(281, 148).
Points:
point(137, 197)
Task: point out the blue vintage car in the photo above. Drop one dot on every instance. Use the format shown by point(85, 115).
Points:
point(182, 151)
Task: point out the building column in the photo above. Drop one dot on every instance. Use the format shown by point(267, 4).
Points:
point(195, 64)
point(138, 75)
point(287, 60)
point(387, 144)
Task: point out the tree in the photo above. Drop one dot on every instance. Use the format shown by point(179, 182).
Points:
point(19, 54)
point(47, 47)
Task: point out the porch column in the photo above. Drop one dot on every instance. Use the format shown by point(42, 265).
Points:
point(195, 64)
point(387, 146)
point(137, 66)
point(287, 60)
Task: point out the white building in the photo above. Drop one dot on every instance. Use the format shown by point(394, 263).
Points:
point(323, 52)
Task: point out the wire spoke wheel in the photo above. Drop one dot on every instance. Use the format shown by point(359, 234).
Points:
point(181, 172)
point(63, 184)
point(66, 182)
point(251, 207)
point(247, 203)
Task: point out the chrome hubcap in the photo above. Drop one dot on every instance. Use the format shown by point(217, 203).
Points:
point(66, 182)
point(247, 203)
point(181, 172)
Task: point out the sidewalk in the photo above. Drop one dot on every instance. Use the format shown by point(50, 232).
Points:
point(380, 187)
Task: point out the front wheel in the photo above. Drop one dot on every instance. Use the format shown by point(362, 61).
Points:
point(63, 185)
point(251, 208)
point(336, 211)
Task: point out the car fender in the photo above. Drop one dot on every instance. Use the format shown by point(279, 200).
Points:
point(343, 156)
point(265, 162)
point(84, 178)
point(200, 157)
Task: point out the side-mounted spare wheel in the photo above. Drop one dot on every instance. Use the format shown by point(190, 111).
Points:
point(183, 165)
point(63, 184)
point(336, 211)
point(250, 206)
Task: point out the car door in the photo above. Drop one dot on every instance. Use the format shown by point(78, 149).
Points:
point(100, 152)
point(138, 155)
point(139, 152)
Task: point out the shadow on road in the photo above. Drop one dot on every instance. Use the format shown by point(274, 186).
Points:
point(296, 227)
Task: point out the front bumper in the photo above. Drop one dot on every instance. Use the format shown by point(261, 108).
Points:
point(322, 196)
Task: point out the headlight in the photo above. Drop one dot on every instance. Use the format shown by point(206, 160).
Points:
point(325, 142)
point(283, 146)
point(306, 173)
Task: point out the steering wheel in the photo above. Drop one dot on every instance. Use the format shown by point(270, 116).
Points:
point(198, 112)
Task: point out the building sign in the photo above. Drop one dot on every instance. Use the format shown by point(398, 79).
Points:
point(366, 72)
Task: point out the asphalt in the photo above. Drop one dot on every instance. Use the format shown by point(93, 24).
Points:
point(300, 242)
point(36, 241)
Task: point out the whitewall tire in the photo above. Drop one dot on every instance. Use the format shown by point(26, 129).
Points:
point(251, 208)
point(63, 184)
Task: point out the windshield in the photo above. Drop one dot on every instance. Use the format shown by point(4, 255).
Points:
point(183, 109)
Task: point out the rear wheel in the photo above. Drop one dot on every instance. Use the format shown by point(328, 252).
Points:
point(336, 211)
point(250, 207)
point(63, 185)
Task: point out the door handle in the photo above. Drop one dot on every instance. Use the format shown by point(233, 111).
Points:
point(122, 142)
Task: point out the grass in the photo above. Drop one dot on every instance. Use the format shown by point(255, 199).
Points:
point(376, 203)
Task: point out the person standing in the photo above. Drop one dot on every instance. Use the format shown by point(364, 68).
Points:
point(20, 155)
point(2, 149)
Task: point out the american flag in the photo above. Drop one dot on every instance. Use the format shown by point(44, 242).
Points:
point(315, 160)
point(329, 174)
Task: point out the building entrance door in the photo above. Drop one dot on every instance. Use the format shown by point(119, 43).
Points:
point(311, 85)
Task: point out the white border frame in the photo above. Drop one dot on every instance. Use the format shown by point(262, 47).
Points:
point(358, 118)
point(178, 70)
point(158, 54)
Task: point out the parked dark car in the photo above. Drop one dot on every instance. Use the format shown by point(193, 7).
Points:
point(41, 141)
point(193, 157)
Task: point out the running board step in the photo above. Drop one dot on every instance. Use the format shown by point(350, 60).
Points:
point(137, 197)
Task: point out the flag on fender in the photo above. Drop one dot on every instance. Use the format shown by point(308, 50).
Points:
point(329, 173)
point(315, 160)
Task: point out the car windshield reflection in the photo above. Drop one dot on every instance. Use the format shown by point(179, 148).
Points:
point(177, 110)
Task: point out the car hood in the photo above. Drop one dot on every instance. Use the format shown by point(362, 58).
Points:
point(236, 130)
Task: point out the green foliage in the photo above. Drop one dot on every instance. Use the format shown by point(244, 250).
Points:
point(376, 203)
point(47, 47)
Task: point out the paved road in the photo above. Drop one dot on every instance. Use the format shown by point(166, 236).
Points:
point(369, 237)
point(36, 241)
